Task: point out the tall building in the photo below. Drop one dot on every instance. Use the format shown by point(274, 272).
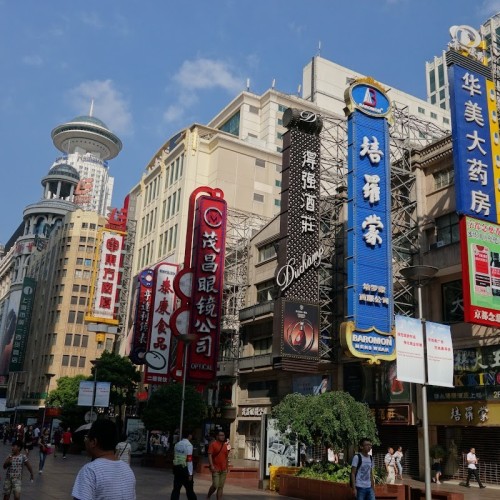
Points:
point(88, 145)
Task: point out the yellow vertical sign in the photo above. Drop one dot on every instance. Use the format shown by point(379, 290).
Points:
point(495, 141)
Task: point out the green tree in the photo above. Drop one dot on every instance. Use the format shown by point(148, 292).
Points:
point(333, 419)
point(164, 408)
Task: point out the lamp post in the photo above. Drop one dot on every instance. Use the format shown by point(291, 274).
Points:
point(95, 364)
point(186, 339)
point(419, 276)
point(48, 376)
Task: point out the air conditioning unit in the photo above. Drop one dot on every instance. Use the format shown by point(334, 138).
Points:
point(438, 244)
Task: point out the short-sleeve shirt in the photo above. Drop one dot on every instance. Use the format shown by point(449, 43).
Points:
point(66, 437)
point(389, 460)
point(105, 479)
point(364, 475)
point(123, 451)
point(15, 470)
point(471, 456)
point(219, 454)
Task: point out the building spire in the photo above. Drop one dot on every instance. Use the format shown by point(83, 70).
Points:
point(91, 107)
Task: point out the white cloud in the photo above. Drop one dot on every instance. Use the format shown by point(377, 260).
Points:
point(195, 76)
point(32, 60)
point(490, 7)
point(109, 104)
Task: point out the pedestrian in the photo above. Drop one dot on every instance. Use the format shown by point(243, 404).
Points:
point(105, 477)
point(57, 440)
point(390, 466)
point(438, 470)
point(398, 457)
point(14, 465)
point(472, 462)
point(218, 458)
point(44, 451)
point(183, 467)
point(362, 478)
point(66, 440)
point(29, 440)
point(123, 450)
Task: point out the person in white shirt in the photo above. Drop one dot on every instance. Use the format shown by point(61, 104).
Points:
point(123, 450)
point(390, 466)
point(106, 477)
point(183, 467)
point(472, 462)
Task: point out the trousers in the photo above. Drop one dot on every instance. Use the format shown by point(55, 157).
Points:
point(181, 478)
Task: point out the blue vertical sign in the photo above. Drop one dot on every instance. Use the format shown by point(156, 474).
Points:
point(475, 137)
point(368, 331)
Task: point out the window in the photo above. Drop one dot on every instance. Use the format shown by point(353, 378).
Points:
point(74, 361)
point(65, 360)
point(79, 261)
point(71, 316)
point(259, 162)
point(279, 135)
point(267, 252)
point(232, 126)
point(81, 248)
point(79, 317)
point(109, 345)
point(262, 389)
point(421, 110)
point(447, 228)
point(281, 107)
point(74, 299)
point(258, 197)
point(440, 75)
point(277, 203)
point(84, 288)
point(446, 120)
point(85, 340)
point(277, 183)
point(433, 99)
point(67, 340)
point(51, 359)
point(78, 273)
point(81, 362)
point(267, 290)
point(432, 80)
point(262, 346)
point(280, 121)
point(434, 115)
point(85, 225)
point(76, 340)
point(443, 178)
point(92, 226)
point(88, 262)
point(453, 301)
point(82, 301)
point(86, 275)
point(442, 95)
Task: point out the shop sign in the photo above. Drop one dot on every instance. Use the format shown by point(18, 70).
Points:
point(476, 413)
point(252, 411)
point(393, 415)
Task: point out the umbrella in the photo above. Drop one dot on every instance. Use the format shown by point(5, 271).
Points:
point(84, 427)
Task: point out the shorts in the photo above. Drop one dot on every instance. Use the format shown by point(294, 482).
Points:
point(218, 479)
point(12, 486)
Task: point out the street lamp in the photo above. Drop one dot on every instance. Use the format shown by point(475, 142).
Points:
point(95, 363)
point(48, 376)
point(419, 276)
point(186, 339)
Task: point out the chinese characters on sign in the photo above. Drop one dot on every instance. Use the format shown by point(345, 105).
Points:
point(309, 192)
point(208, 268)
point(467, 415)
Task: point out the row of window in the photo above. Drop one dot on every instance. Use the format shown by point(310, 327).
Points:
point(173, 173)
point(171, 205)
point(76, 340)
point(85, 225)
point(432, 78)
point(149, 222)
point(267, 290)
point(444, 178)
point(267, 252)
point(434, 115)
point(74, 361)
point(167, 243)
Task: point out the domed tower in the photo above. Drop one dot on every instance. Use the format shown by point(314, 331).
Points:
point(88, 144)
point(45, 216)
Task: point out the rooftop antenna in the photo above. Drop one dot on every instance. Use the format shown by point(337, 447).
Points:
point(248, 84)
point(273, 84)
point(319, 49)
point(91, 107)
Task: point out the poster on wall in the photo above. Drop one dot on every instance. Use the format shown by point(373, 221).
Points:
point(136, 435)
point(410, 350)
point(300, 329)
point(311, 384)
point(281, 449)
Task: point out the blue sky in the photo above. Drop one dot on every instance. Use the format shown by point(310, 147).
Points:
point(154, 67)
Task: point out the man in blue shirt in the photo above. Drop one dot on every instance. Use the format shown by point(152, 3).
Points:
point(362, 480)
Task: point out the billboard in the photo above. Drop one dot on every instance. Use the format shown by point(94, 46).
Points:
point(475, 135)
point(480, 246)
point(410, 360)
point(21, 332)
point(439, 354)
point(209, 245)
point(86, 393)
point(10, 308)
point(368, 330)
point(297, 320)
point(160, 334)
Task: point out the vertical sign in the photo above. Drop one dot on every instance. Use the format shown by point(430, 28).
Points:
point(140, 336)
point(480, 245)
point(23, 325)
point(297, 319)
point(475, 134)
point(368, 331)
point(208, 252)
point(158, 354)
point(410, 348)
point(439, 354)
point(86, 393)
point(102, 392)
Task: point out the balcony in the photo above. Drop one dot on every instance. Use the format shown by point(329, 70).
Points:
point(226, 368)
point(257, 310)
point(253, 362)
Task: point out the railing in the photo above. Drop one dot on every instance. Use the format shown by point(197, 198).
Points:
point(257, 310)
point(252, 362)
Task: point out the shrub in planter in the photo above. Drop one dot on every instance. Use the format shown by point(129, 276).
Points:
point(336, 473)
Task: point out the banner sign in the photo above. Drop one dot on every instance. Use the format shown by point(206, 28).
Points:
point(140, 336)
point(296, 320)
point(86, 393)
point(21, 332)
point(480, 246)
point(106, 278)
point(102, 391)
point(209, 246)
point(439, 354)
point(369, 248)
point(475, 133)
point(410, 350)
point(160, 333)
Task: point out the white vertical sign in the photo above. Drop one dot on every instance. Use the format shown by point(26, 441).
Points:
point(439, 355)
point(410, 350)
point(86, 393)
point(102, 390)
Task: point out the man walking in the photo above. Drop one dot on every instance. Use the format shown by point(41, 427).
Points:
point(472, 462)
point(67, 439)
point(106, 477)
point(218, 458)
point(390, 466)
point(183, 467)
point(362, 479)
point(14, 465)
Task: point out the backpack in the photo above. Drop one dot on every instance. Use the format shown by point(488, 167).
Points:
point(360, 461)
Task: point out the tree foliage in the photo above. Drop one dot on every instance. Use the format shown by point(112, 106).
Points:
point(66, 393)
point(164, 408)
point(333, 419)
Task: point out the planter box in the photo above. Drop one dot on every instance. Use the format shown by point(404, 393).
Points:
point(316, 489)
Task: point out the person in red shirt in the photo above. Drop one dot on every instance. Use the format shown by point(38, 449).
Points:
point(218, 458)
point(66, 440)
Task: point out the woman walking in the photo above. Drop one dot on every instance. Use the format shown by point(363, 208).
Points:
point(44, 451)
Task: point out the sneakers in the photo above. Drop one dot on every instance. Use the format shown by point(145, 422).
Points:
point(482, 486)
point(438, 482)
point(40, 471)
